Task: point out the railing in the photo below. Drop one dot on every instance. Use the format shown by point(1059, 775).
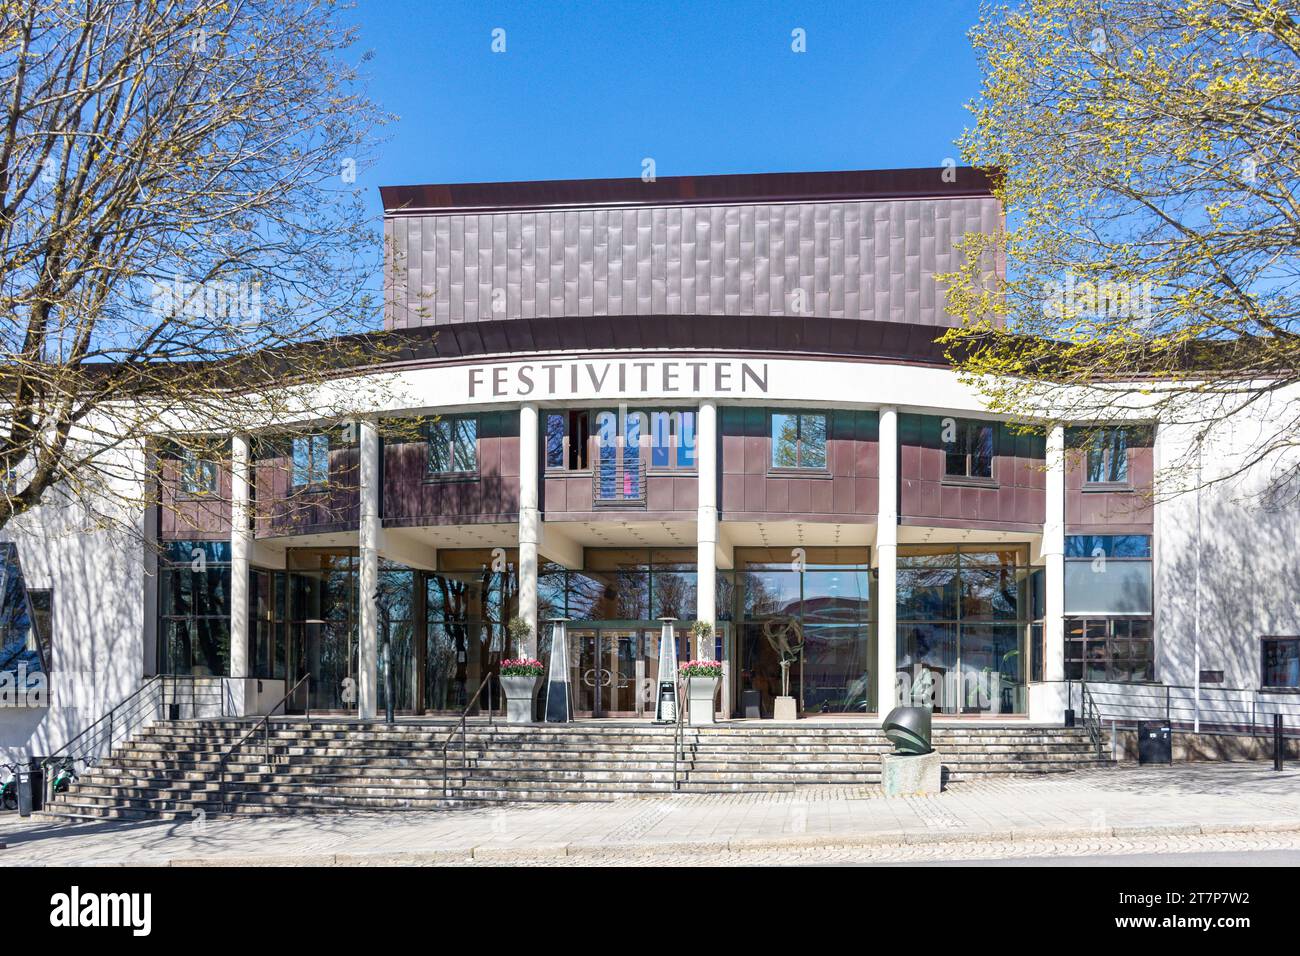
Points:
point(1090, 716)
point(158, 697)
point(263, 725)
point(1209, 709)
point(679, 731)
point(619, 482)
point(464, 736)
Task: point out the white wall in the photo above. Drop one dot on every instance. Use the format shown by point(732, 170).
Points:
point(98, 580)
point(1249, 551)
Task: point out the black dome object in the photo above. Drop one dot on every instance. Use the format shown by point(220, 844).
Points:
point(908, 729)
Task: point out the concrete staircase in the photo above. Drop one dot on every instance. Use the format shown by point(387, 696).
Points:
point(171, 769)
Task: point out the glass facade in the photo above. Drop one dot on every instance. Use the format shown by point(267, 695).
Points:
point(468, 603)
point(812, 608)
point(194, 608)
point(439, 632)
point(963, 628)
point(323, 624)
point(969, 624)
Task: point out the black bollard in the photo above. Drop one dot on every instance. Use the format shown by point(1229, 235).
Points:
point(1277, 741)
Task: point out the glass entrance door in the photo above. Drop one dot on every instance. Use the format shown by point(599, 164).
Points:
point(607, 680)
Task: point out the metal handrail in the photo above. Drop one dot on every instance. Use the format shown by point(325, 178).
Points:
point(122, 719)
point(125, 702)
point(1091, 717)
point(264, 725)
point(461, 729)
point(1217, 709)
point(679, 731)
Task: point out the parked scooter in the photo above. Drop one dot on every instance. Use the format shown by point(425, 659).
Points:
point(9, 788)
point(65, 776)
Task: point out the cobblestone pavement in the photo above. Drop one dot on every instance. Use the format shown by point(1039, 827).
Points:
point(1184, 809)
point(939, 852)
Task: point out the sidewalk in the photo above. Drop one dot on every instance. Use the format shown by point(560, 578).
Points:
point(1099, 807)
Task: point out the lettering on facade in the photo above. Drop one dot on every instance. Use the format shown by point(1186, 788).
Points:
point(565, 379)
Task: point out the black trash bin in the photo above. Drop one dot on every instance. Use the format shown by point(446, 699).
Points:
point(24, 787)
point(1155, 742)
point(38, 783)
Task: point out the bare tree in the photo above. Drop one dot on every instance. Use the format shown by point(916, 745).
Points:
point(180, 213)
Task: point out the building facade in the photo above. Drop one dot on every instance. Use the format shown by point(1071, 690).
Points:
point(708, 399)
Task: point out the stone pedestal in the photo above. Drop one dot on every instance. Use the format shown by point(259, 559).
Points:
point(784, 709)
point(911, 775)
point(700, 692)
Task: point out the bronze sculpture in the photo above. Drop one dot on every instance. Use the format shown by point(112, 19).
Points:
point(908, 729)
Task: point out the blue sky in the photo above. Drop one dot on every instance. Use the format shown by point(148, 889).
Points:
point(590, 89)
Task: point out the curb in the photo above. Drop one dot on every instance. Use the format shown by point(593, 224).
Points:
point(506, 855)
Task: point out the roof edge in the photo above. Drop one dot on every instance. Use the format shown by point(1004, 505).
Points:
point(938, 182)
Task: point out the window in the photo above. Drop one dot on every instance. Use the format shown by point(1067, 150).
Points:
point(1108, 574)
point(568, 436)
point(1109, 649)
point(1108, 456)
point(1281, 659)
point(24, 620)
point(968, 449)
point(310, 460)
point(799, 440)
point(194, 608)
point(672, 439)
point(453, 445)
point(198, 475)
point(41, 601)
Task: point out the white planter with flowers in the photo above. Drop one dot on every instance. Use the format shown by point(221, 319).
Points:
point(702, 678)
point(519, 680)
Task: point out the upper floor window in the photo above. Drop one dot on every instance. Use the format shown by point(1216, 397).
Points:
point(310, 460)
point(567, 437)
point(664, 437)
point(198, 475)
point(968, 448)
point(799, 440)
point(1108, 456)
point(672, 439)
point(1281, 659)
point(453, 445)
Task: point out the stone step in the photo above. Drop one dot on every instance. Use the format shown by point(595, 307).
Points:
point(171, 768)
point(148, 749)
point(534, 732)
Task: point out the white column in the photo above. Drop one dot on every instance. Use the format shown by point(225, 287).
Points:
point(241, 546)
point(887, 564)
point(1054, 558)
point(706, 522)
point(368, 588)
point(530, 521)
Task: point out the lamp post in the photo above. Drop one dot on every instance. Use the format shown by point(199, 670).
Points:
point(1196, 598)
